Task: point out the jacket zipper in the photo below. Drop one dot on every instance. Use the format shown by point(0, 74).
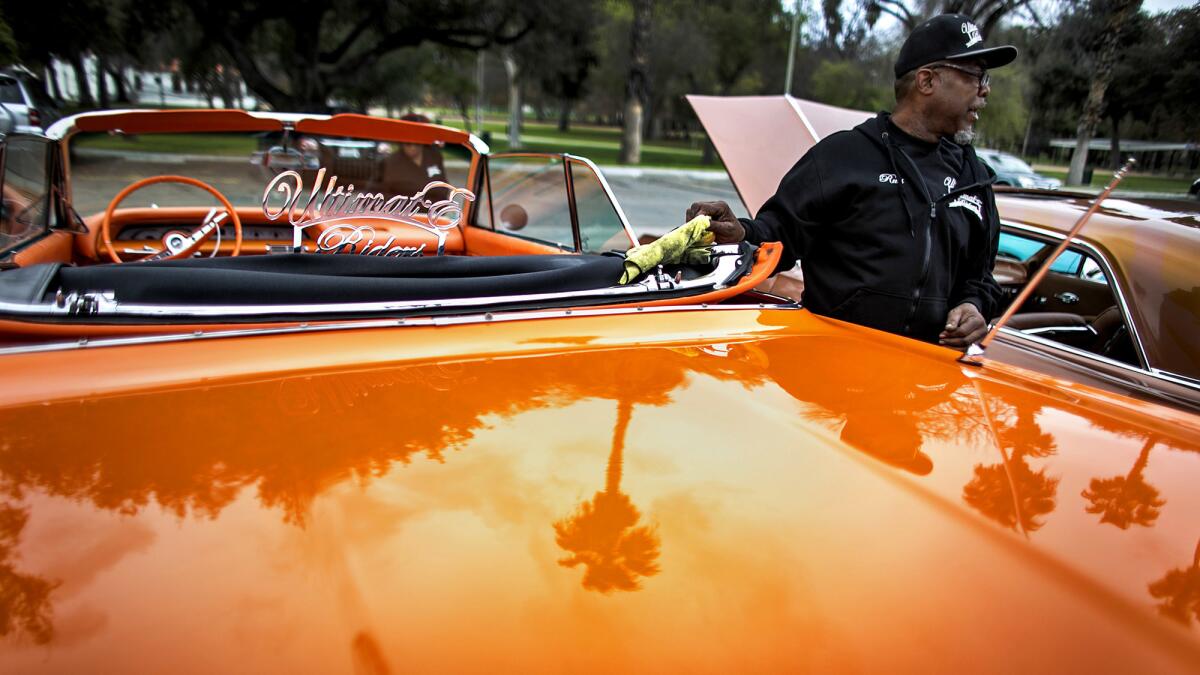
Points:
point(928, 248)
point(920, 287)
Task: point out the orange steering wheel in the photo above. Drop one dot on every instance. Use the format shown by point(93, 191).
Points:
point(175, 244)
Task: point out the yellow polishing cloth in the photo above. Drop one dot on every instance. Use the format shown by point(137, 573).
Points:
point(687, 244)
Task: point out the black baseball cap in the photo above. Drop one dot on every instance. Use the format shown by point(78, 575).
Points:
point(947, 37)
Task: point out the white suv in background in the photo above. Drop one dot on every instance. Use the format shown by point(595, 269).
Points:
point(24, 105)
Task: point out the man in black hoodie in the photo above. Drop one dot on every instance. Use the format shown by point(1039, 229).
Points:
point(894, 221)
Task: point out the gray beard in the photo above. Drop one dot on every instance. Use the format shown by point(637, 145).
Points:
point(964, 136)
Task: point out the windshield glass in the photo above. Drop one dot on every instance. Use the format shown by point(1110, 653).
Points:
point(242, 165)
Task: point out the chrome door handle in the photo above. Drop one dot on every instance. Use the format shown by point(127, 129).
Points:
point(1067, 298)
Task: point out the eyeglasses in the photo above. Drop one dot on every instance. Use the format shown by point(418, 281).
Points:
point(984, 78)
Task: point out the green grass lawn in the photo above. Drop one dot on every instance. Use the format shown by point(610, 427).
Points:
point(176, 144)
point(600, 144)
point(1132, 182)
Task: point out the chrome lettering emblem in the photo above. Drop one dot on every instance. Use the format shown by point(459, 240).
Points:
point(341, 212)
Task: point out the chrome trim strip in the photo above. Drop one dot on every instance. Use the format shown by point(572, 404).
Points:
point(66, 126)
point(1182, 380)
point(1113, 282)
point(803, 118)
point(477, 143)
point(102, 303)
point(487, 317)
point(612, 198)
point(1057, 329)
point(1051, 344)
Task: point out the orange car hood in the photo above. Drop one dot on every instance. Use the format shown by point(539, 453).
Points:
point(685, 491)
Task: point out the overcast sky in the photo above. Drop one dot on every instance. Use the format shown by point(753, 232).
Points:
point(1155, 6)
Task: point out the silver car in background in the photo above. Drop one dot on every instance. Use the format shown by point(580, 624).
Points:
point(1012, 170)
point(25, 107)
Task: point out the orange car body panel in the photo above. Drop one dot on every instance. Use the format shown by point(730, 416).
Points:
point(699, 490)
point(607, 489)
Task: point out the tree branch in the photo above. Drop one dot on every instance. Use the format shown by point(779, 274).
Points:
point(338, 52)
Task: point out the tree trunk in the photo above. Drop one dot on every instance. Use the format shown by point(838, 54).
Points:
point(636, 84)
point(83, 91)
point(102, 81)
point(52, 78)
point(122, 89)
point(464, 111)
point(1122, 11)
point(1028, 132)
point(1115, 158)
point(225, 88)
point(514, 99)
point(616, 458)
point(564, 116)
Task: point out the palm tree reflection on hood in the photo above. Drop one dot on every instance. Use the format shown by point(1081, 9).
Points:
point(1011, 492)
point(1179, 591)
point(1126, 500)
point(25, 607)
point(604, 534)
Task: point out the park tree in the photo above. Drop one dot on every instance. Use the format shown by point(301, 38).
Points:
point(1063, 62)
point(637, 85)
point(294, 56)
point(1181, 59)
point(846, 84)
point(8, 44)
point(986, 14)
point(560, 54)
point(1118, 14)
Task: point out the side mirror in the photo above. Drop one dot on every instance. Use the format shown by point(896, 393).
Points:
point(513, 217)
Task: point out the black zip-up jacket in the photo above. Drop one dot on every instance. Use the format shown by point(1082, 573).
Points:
point(875, 247)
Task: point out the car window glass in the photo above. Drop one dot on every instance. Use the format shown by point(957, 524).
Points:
point(10, 91)
point(529, 198)
point(23, 216)
point(1017, 247)
point(241, 165)
point(1073, 305)
point(1013, 164)
point(1067, 262)
point(1093, 272)
point(600, 226)
point(483, 210)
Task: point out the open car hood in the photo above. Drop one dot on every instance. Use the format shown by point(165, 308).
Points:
point(760, 137)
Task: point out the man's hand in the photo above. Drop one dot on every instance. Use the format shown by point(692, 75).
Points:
point(724, 226)
point(964, 326)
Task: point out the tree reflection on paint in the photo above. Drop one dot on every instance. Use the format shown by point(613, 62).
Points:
point(604, 534)
point(1011, 492)
point(25, 609)
point(1126, 500)
point(1179, 592)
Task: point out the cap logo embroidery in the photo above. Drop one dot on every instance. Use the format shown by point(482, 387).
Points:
point(972, 32)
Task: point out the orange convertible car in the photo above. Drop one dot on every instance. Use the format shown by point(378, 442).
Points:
point(428, 430)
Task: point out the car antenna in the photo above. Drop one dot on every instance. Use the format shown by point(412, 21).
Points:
point(975, 352)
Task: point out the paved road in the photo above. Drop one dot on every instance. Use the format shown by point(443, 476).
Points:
point(655, 200)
